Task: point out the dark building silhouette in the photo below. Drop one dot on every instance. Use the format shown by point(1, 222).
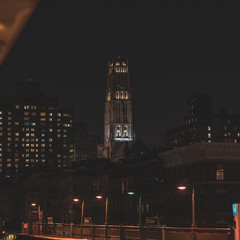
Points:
point(201, 125)
point(85, 143)
point(213, 170)
point(34, 131)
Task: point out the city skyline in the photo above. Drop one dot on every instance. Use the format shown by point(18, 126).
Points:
point(68, 55)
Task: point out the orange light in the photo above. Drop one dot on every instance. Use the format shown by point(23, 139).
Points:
point(182, 187)
point(33, 204)
point(99, 197)
point(76, 199)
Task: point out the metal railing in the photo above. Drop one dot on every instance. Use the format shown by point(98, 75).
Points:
point(112, 232)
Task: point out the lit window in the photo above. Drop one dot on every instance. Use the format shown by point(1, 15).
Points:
point(117, 95)
point(220, 172)
point(118, 131)
point(17, 106)
point(125, 131)
point(42, 114)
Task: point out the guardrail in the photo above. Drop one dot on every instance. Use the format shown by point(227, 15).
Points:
point(113, 232)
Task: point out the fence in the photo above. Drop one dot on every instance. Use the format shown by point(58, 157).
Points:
point(114, 232)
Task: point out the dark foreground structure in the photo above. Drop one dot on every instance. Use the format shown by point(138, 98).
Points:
point(125, 232)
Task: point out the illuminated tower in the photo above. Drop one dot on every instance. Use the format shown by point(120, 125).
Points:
point(118, 116)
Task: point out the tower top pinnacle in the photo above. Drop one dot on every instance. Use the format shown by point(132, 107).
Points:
point(118, 65)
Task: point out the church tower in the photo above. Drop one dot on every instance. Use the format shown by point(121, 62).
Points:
point(118, 116)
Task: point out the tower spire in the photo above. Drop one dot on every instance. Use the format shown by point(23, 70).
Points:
point(118, 116)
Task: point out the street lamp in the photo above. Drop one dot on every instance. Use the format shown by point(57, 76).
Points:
point(139, 207)
point(182, 188)
point(106, 207)
point(38, 208)
point(76, 200)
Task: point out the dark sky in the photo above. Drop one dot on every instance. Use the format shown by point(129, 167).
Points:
point(175, 49)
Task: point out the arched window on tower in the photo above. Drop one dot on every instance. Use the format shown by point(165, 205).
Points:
point(117, 66)
point(109, 96)
point(125, 95)
point(121, 95)
point(125, 131)
point(124, 68)
point(118, 131)
point(117, 95)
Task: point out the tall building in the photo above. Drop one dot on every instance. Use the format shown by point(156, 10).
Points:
point(201, 125)
point(85, 143)
point(34, 131)
point(118, 115)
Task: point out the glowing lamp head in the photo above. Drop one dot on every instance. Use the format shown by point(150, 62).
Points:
point(3, 232)
point(181, 187)
point(130, 193)
point(33, 204)
point(76, 199)
point(99, 197)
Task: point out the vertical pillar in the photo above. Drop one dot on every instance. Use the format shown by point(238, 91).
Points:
point(140, 210)
point(163, 231)
point(71, 229)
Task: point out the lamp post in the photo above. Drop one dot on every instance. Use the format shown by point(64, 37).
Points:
point(182, 188)
point(139, 206)
point(76, 200)
point(38, 209)
point(106, 207)
point(40, 216)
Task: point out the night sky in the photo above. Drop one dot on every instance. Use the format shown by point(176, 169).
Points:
point(175, 49)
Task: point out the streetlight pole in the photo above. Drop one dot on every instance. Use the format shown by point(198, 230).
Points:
point(82, 208)
point(139, 206)
point(82, 212)
point(140, 210)
point(193, 208)
point(106, 207)
point(193, 225)
point(106, 211)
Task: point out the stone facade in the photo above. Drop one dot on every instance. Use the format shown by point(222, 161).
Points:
point(118, 116)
